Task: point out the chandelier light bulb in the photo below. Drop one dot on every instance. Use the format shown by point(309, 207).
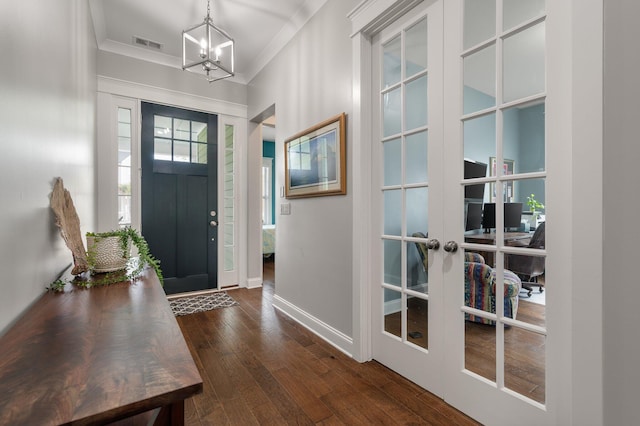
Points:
point(203, 48)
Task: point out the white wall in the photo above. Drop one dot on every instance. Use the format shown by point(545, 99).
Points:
point(133, 70)
point(47, 116)
point(310, 81)
point(621, 206)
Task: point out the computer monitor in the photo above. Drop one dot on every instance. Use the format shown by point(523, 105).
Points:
point(512, 216)
point(474, 216)
point(489, 217)
point(474, 169)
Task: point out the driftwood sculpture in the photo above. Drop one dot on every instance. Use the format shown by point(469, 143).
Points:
point(69, 223)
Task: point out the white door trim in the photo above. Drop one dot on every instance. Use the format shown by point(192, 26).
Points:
point(112, 93)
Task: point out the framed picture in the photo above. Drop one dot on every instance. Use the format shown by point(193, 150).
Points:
point(315, 160)
point(507, 169)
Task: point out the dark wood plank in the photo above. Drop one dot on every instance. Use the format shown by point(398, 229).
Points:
point(95, 355)
point(260, 366)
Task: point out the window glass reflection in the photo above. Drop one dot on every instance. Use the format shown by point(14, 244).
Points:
point(392, 162)
point(391, 62)
point(516, 12)
point(391, 113)
point(416, 158)
point(480, 139)
point(416, 48)
point(524, 63)
point(392, 262)
point(480, 80)
point(416, 103)
point(417, 206)
point(479, 21)
point(418, 264)
point(392, 212)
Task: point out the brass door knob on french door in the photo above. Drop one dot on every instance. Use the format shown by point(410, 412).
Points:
point(451, 246)
point(433, 244)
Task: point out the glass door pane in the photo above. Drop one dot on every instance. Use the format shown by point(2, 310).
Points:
point(409, 61)
point(503, 200)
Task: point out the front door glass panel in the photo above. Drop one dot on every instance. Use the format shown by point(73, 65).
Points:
point(125, 136)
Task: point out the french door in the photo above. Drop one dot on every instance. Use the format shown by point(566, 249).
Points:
point(459, 201)
point(407, 306)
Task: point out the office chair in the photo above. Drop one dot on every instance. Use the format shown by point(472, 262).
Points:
point(529, 268)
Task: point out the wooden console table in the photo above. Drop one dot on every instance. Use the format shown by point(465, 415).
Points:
point(95, 356)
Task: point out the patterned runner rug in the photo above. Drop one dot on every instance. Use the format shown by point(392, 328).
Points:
point(200, 303)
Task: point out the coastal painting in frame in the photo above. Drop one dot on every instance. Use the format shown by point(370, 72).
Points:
point(315, 160)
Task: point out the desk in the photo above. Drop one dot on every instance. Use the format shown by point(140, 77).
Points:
point(520, 239)
point(510, 238)
point(93, 356)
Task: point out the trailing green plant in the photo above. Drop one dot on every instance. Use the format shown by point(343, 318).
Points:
point(127, 236)
point(135, 266)
point(57, 286)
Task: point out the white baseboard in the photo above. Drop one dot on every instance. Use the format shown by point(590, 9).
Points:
point(254, 282)
point(334, 337)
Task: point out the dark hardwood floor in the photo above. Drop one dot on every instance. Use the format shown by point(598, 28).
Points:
point(524, 365)
point(260, 367)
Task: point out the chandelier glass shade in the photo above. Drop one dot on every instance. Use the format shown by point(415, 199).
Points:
point(208, 50)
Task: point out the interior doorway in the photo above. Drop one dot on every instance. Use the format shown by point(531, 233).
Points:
point(268, 198)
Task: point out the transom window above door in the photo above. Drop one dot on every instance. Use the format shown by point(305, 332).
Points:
point(179, 140)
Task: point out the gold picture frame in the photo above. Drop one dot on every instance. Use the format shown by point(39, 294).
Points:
point(315, 160)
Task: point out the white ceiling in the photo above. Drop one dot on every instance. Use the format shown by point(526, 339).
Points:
point(260, 28)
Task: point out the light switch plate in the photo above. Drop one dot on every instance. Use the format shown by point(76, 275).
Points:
point(285, 208)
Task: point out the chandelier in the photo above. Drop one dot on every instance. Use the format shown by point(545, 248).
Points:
point(208, 50)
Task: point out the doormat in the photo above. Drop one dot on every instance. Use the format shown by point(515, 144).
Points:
point(200, 303)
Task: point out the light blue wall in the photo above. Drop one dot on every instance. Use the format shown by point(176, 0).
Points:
point(531, 133)
point(523, 141)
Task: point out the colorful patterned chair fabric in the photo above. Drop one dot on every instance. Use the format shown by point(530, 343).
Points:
point(480, 286)
point(470, 256)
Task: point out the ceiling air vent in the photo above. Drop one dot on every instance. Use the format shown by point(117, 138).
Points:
point(142, 42)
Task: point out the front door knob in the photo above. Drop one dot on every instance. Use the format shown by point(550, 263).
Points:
point(213, 223)
point(451, 247)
